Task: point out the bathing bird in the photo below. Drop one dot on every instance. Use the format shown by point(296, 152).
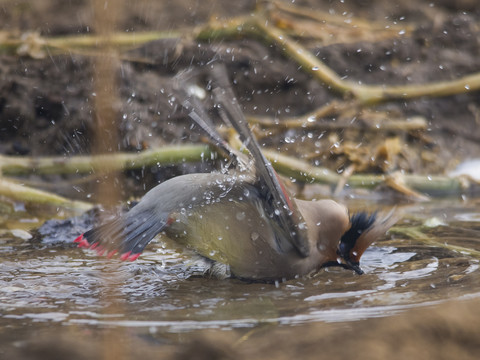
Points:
point(243, 218)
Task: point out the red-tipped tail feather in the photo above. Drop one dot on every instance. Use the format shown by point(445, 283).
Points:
point(83, 243)
point(127, 235)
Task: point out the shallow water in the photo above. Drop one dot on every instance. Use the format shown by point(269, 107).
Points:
point(163, 293)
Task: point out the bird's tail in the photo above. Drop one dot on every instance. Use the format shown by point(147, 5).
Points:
point(126, 236)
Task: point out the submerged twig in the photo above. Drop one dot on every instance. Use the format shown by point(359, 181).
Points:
point(417, 233)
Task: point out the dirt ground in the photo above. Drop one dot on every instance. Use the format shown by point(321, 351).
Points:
point(47, 108)
point(434, 333)
point(47, 105)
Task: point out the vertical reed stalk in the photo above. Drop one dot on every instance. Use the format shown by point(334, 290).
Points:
point(106, 13)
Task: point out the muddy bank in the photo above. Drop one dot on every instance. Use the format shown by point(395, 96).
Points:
point(439, 332)
point(47, 106)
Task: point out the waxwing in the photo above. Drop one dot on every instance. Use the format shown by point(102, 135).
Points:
point(243, 218)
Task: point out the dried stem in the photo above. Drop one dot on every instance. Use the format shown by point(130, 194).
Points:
point(366, 94)
point(312, 120)
point(322, 16)
point(417, 233)
point(18, 192)
point(21, 165)
point(286, 165)
point(432, 185)
point(256, 26)
point(38, 47)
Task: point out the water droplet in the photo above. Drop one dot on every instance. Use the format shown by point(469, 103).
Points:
point(254, 236)
point(315, 68)
point(240, 216)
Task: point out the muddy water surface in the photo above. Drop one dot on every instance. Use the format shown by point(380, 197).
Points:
point(430, 257)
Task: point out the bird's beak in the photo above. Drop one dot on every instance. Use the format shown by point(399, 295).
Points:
point(355, 266)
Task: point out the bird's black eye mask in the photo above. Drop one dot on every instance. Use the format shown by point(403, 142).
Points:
point(360, 222)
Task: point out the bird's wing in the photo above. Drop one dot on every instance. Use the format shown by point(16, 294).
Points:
point(279, 204)
point(196, 112)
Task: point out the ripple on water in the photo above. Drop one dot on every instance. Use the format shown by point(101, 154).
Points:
point(164, 290)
